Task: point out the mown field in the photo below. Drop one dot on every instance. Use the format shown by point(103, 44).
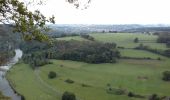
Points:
point(91, 81)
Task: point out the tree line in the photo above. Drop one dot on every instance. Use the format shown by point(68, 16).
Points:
point(160, 52)
point(164, 38)
point(37, 53)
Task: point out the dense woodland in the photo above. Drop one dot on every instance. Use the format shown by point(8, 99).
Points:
point(37, 54)
point(8, 42)
point(164, 38)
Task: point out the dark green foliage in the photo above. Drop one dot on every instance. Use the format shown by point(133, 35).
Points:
point(160, 52)
point(163, 37)
point(154, 97)
point(85, 85)
point(52, 74)
point(116, 91)
point(166, 76)
point(130, 94)
point(136, 40)
point(69, 81)
point(88, 37)
point(35, 59)
point(168, 44)
point(142, 47)
point(90, 52)
point(158, 58)
point(68, 96)
point(167, 53)
point(37, 54)
point(8, 42)
point(30, 24)
point(5, 56)
point(22, 97)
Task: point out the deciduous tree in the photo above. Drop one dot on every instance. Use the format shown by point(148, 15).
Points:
point(30, 24)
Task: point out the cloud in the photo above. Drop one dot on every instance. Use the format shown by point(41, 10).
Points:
point(110, 12)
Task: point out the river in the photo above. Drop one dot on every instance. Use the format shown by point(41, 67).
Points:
point(4, 84)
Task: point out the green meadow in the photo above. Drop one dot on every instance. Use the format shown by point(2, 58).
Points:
point(91, 81)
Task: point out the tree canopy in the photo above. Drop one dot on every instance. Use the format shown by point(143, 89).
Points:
point(78, 3)
point(30, 24)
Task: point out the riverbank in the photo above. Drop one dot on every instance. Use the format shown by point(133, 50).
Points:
point(5, 86)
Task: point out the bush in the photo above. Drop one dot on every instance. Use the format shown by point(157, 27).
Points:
point(136, 40)
point(68, 96)
point(85, 85)
point(168, 44)
point(158, 58)
point(116, 91)
point(22, 97)
point(52, 75)
point(154, 97)
point(166, 76)
point(130, 94)
point(69, 81)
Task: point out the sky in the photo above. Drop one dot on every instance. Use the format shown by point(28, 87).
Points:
point(109, 12)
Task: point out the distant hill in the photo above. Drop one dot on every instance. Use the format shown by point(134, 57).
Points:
point(147, 29)
point(80, 28)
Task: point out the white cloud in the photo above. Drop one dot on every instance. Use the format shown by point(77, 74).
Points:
point(110, 12)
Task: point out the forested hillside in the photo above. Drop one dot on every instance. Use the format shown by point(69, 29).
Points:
point(8, 42)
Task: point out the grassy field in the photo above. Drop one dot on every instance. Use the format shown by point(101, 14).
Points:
point(72, 38)
point(22, 78)
point(139, 54)
point(124, 39)
point(124, 74)
point(90, 80)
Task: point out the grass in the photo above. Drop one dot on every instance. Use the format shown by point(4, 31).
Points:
point(72, 38)
point(139, 54)
point(123, 74)
point(126, 40)
point(90, 80)
point(23, 79)
point(123, 39)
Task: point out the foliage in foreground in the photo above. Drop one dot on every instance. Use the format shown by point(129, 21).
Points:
point(30, 24)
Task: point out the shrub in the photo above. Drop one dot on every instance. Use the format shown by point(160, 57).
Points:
point(166, 76)
point(115, 91)
point(130, 94)
point(69, 81)
point(85, 85)
point(168, 44)
point(108, 84)
point(136, 40)
point(22, 97)
point(138, 96)
point(158, 58)
point(68, 96)
point(154, 97)
point(52, 75)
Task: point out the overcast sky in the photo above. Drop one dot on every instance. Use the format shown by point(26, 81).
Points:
point(110, 12)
